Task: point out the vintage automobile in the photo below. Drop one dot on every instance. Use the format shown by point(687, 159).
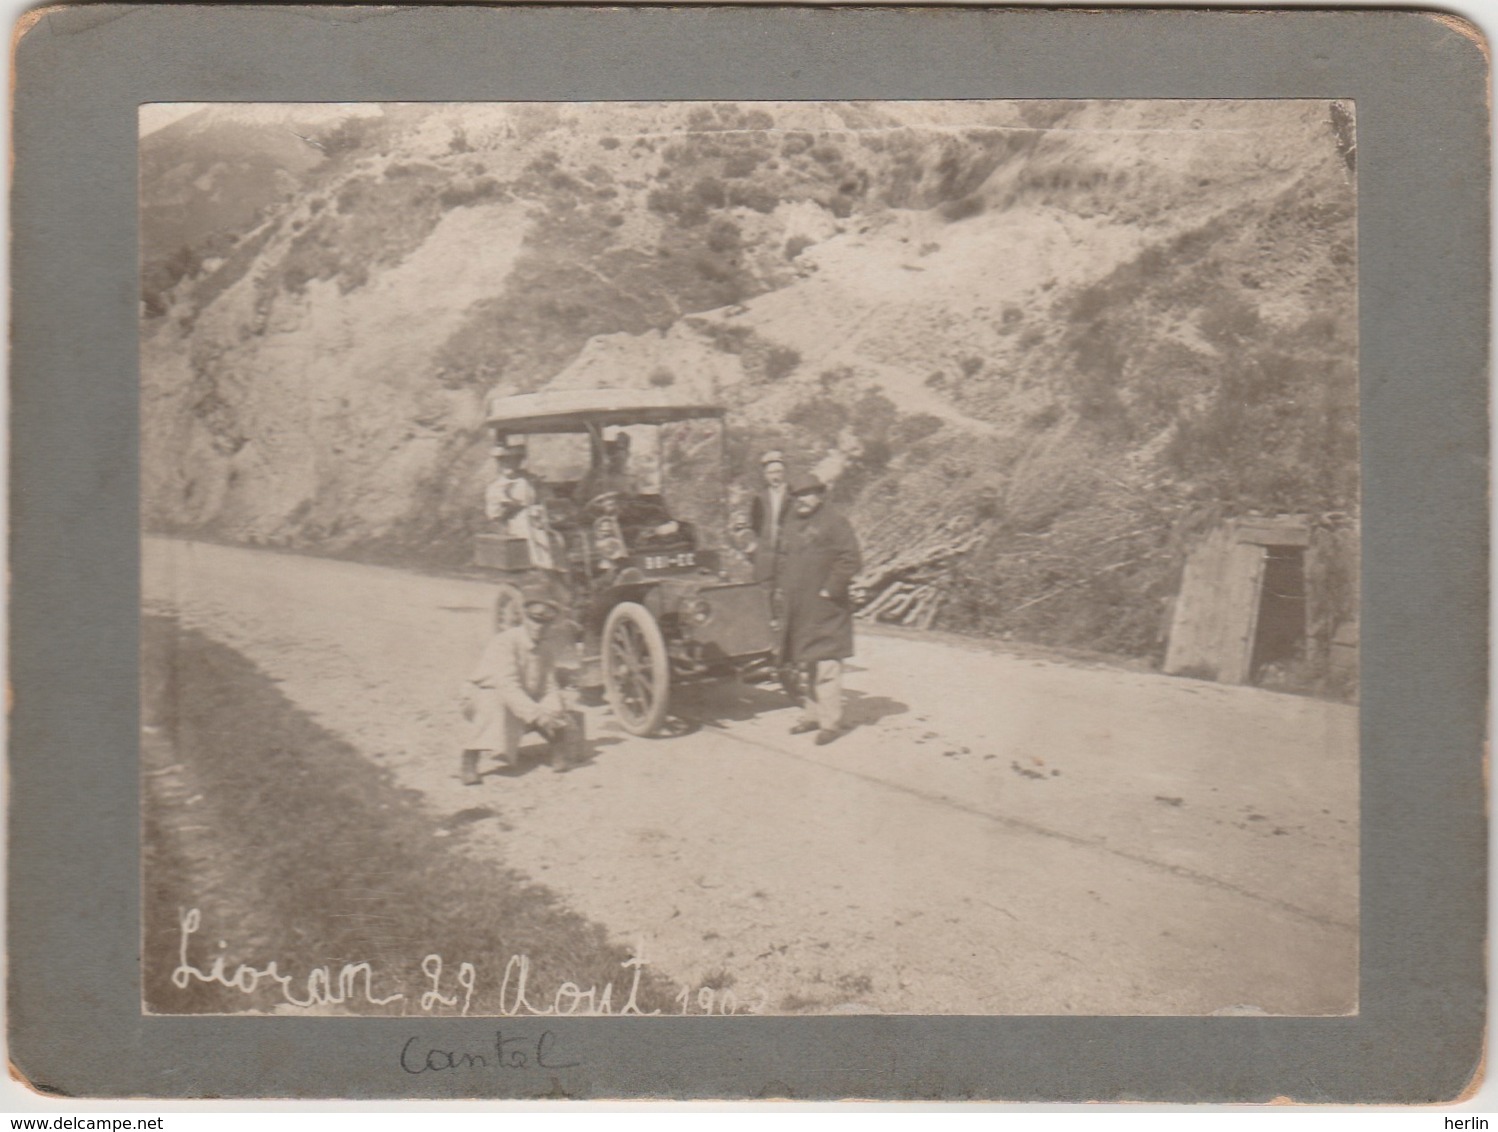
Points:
point(651, 603)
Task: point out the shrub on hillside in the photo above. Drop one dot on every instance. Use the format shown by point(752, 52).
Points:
point(1096, 374)
point(409, 169)
point(780, 361)
point(663, 201)
point(1042, 419)
point(160, 277)
point(712, 268)
point(723, 236)
point(1229, 322)
point(798, 244)
point(741, 165)
point(910, 430)
point(465, 193)
point(954, 210)
point(686, 209)
point(709, 190)
point(352, 135)
point(728, 338)
point(822, 417)
point(754, 119)
point(747, 194)
point(796, 143)
point(350, 196)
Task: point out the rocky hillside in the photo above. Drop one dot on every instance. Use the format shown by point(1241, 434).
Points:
point(1038, 345)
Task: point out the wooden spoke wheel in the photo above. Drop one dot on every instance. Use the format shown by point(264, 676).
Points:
point(636, 670)
point(509, 607)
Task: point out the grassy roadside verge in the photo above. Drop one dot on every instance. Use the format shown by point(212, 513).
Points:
point(295, 849)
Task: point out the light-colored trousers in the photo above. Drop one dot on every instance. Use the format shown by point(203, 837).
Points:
point(497, 729)
point(822, 694)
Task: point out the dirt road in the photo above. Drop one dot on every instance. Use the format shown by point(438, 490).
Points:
point(998, 834)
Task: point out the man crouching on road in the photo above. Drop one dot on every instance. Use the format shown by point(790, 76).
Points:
point(514, 690)
point(818, 560)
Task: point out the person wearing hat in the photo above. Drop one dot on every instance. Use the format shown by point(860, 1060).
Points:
point(514, 689)
point(818, 559)
point(511, 502)
point(767, 513)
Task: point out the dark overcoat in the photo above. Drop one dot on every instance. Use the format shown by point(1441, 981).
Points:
point(818, 555)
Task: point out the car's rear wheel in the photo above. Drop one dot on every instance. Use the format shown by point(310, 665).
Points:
point(636, 669)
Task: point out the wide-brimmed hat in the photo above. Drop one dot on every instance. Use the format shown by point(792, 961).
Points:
point(507, 448)
point(773, 456)
point(805, 484)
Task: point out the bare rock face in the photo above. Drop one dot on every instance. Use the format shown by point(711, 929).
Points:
point(1033, 342)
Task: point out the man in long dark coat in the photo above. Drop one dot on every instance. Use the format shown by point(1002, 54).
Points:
point(818, 559)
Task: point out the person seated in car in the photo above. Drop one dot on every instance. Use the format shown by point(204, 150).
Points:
point(624, 519)
point(623, 526)
point(612, 475)
point(608, 531)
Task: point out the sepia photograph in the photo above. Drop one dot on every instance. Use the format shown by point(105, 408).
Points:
point(749, 558)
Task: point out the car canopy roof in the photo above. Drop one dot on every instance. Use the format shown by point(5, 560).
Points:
point(573, 410)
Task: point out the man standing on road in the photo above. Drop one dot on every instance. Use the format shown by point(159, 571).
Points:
point(767, 514)
point(818, 559)
point(514, 690)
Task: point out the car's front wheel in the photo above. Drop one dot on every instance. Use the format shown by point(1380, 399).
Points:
point(636, 669)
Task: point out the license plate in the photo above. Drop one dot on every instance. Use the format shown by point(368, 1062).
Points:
point(670, 561)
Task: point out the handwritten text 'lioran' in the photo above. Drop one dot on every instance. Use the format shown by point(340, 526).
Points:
point(358, 981)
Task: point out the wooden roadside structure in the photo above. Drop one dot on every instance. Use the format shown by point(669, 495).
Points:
point(1219, 617)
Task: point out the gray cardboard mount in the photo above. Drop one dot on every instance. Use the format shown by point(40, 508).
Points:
point(1419, 81)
